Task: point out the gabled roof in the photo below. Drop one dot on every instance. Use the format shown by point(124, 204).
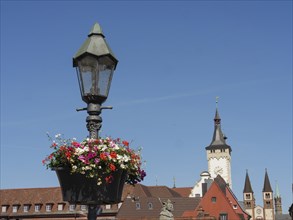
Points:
point(218, 199)
point(221, 183)
point(267, 185)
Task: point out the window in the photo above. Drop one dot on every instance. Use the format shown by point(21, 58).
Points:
point(268, 204)
point(214, 199)
point(15, 208)
point(83, 207)
point(234, 206)
point(26, 208)
point(247, 196)
point(4, 208)
point(108, 206)
point(137, 205)
point(37, 207)
point(267, 196)
point(60, 206)
point(223, 216)
point(48, 207)
point(150, 205)
point(248, 204)
point(71, 207)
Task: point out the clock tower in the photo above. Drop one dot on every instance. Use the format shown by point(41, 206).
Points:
point(219, 153)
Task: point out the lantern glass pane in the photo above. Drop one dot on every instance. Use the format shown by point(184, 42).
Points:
point(94, 76)
point(88, 71)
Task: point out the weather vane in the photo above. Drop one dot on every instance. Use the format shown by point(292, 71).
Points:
point(174, 182)
point(217, 100)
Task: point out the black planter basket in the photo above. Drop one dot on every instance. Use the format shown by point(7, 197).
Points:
point(78, 189)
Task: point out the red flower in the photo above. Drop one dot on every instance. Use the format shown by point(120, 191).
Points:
point(75, 144)
point(125, 143)
point(112, 167)
point(113, 154)
point(68, 155)
point(109, 179)
point(103, 156)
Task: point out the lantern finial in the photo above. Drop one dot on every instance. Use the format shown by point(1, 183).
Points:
point(96, 30)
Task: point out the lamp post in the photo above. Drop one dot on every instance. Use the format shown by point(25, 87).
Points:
point(95, 64)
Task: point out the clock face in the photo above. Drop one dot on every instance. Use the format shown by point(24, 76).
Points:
point(218, 170)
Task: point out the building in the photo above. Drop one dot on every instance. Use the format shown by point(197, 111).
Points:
point(218, 157)
point(138, 202)
point(219, 153)
point(269, 210)
point(218, 203)
point(211, 198)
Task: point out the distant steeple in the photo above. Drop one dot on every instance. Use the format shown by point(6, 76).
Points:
point(268, 201)
point(174, 182)
point(278, 201)
point(277, 192)
point(219, 139)
point(267, 185)
point(247, 185)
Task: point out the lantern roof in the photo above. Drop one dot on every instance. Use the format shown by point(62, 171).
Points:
point(95, 45)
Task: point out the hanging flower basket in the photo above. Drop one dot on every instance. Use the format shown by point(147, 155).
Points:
point(77, 188)
point(95, 170)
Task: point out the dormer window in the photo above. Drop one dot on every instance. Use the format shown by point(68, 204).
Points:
point(60, 207)
point(71, 207)
point(26, 208)
point(49, 207)
point(4, 208)
point(83, 207)
point(37, 207)
point(15, 208)
point(150, 205)
point(137, 205)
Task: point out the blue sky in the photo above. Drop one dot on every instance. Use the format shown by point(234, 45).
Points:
point(174, 57)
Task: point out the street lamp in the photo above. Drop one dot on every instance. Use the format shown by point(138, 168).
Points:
point(95, 64)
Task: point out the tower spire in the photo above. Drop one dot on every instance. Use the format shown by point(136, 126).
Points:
point(247, 185)
point(278, 201)
point(277, 192)
point(219, 139)
point(267, 185)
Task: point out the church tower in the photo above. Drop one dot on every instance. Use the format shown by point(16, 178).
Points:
point(248, 197)
point(219, 153)
point(278, 201)
point(268, 199)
